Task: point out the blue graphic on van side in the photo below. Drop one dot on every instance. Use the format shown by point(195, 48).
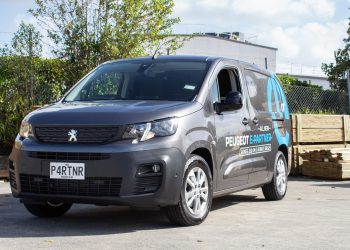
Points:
point(275, 89)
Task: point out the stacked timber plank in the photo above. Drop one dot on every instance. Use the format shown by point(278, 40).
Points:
point(315, 139)
point(3, 174)
point(331, 164)
point(336, 155)
point(3, 166)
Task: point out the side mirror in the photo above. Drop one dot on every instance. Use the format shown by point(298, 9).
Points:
point(232, 102)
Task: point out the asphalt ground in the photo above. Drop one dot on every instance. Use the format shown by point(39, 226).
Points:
point(315, 214)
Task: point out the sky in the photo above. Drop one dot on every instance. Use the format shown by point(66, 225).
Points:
point(306, 32)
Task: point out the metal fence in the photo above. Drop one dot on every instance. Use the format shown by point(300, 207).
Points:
point(309, 100)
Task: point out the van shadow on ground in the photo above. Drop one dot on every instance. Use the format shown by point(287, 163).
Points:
point(86, 220)
point(320, 182)
point(334, 185)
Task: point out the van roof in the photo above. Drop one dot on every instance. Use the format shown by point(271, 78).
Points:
point(193, 59)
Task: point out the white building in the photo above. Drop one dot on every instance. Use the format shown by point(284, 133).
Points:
point(315, 80)
point(233, 45)
point(210, 45)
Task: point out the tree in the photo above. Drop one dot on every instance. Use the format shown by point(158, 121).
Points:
point(89, 32)
point(49, 77)
point(27, 41)
point(336, 72)
point(27, 45)
point(288, 80)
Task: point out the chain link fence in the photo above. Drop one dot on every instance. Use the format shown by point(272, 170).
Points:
point(309, 100)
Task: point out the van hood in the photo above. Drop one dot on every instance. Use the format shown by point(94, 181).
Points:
point(110, 113)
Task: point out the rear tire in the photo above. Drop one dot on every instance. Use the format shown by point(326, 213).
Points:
point(48, 210)
point(196, 194)
point(277, 188)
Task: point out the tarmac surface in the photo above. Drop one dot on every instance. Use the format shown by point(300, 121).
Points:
point(315, 214)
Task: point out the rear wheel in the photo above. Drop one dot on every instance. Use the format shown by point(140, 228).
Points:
point(277, 188)
point(196, 194)
point(50, 209)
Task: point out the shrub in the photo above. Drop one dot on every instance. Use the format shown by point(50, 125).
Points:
point(13, 107)
point(50, 81)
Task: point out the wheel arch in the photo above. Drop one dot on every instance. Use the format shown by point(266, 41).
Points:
point(284, 149)
point(206, 155)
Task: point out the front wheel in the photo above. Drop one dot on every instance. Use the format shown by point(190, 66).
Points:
point(49, 209)
point(196, 194)
point(277, 188)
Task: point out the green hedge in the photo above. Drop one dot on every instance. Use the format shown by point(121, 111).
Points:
point(50, 81)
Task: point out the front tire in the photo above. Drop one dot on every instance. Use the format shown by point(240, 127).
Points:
point(48, 210)
point(196, 194)
point(277, 188)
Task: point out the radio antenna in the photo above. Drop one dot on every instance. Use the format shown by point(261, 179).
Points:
point(154, 57)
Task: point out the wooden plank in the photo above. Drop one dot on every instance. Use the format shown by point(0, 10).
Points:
point(294, 136)
point(318, 121)
point(346, 128)
point(322, 121)
point(322, 146)
point(294, 121)
point(299, 158)
point(299, 128)
point(338, 166)
point(3, 166)
point(346, 174)
point(295, 164)
point(321, 135)
point(335, 155)
point(3, 174)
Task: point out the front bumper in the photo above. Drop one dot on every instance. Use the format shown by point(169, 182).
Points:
point(29, 175)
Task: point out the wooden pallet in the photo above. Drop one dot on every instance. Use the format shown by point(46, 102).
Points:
point(308, 129)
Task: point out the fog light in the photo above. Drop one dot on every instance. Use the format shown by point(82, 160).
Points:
point(156, 168)
point(153, 169)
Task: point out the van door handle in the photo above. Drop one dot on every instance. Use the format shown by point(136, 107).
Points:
point(255, 120)
point(245, 121)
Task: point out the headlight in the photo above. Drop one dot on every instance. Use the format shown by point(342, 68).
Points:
point(25, 130)
point(149, 130)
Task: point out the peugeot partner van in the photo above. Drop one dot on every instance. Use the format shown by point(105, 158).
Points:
point(172, 132)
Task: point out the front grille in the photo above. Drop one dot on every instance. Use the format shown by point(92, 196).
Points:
point(91, 186)
point(148, 184)
point(93, 135)
point(67, 156)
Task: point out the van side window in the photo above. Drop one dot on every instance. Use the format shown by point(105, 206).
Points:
point(257, 89)
point(228, 81)
point(280, 99)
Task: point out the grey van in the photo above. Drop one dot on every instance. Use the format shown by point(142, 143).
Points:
point(172, 132)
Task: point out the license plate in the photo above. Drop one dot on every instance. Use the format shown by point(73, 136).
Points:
point(64, 170)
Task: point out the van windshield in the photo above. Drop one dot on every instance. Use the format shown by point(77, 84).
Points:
point(142, 80)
